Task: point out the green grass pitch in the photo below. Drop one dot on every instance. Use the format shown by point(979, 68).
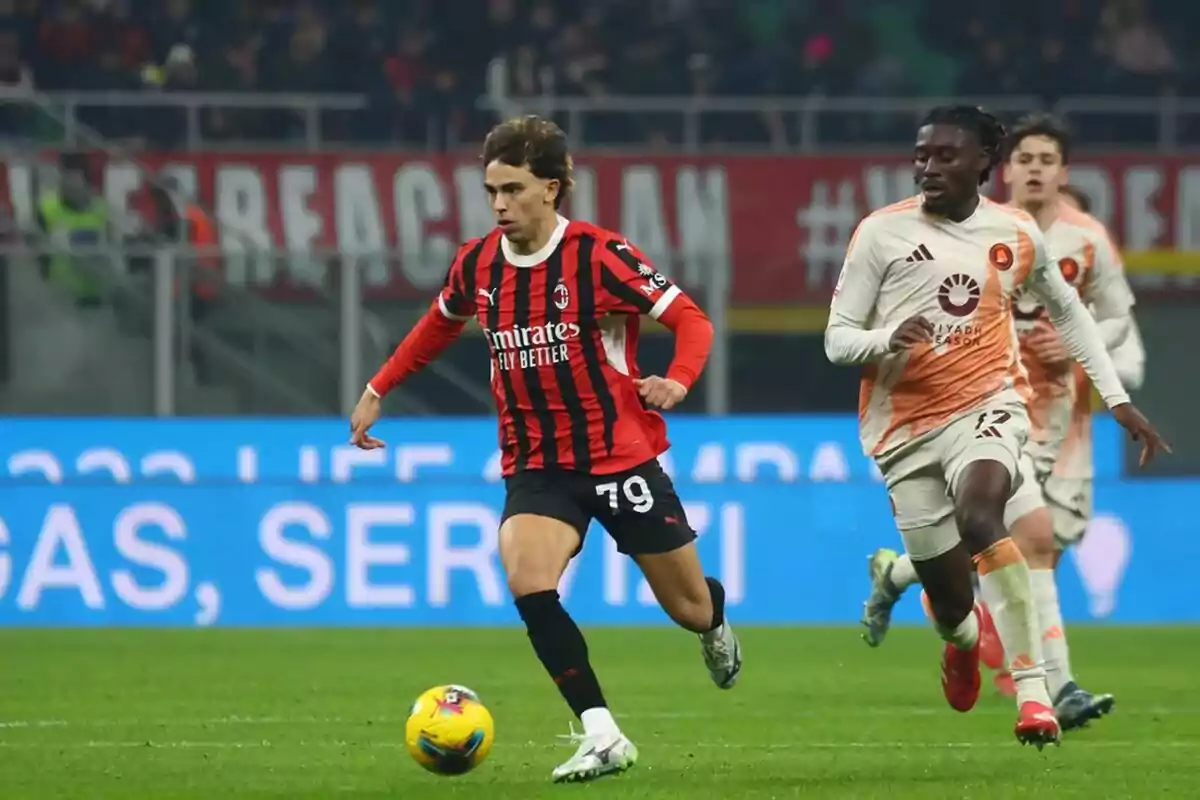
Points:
point(222, 714)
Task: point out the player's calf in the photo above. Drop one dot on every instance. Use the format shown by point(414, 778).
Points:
point(981, 494)
point(943, 565)
point(1034, 533)
point(696, 603)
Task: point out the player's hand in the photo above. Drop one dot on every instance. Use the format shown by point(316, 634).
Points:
point(659, 392)
point(914, 330)
point(366, 413)
point(1142, 431)
point(1048, 347)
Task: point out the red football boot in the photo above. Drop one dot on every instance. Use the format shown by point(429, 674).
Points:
point(960, 675)
point(1037, 725)
point(991, 651)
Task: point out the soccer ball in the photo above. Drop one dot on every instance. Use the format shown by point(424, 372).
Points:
point(448, 731)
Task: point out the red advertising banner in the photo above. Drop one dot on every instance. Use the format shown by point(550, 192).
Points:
point(778, 224)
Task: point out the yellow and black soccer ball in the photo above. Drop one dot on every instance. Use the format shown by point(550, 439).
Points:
point(449, 731)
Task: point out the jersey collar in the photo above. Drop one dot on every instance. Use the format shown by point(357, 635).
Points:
point(533, 259)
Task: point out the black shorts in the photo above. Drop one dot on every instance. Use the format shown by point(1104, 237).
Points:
point(638, 507)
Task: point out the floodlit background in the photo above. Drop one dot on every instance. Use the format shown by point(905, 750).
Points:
point(219, 217)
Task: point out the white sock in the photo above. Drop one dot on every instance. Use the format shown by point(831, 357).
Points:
point(964, 635)
point(1005, 585)
point(598, 721)
point(1054, 635)
point(902, 574)
point(714, 635)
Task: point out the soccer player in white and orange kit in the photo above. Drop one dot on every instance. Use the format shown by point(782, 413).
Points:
point(1051, 509)
point(924, 301)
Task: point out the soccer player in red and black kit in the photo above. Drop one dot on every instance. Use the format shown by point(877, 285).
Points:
point(560, 302)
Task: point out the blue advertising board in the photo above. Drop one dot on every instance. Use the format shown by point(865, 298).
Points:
point(281, 522)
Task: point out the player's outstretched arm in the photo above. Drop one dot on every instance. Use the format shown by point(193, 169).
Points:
point(847, 339)
point(1082, 337)
point(425, 342)
point(440, 326)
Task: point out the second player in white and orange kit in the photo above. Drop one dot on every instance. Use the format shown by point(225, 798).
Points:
point(1051, 507)
point(925, 303)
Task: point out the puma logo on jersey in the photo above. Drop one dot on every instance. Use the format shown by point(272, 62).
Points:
point(491, 296)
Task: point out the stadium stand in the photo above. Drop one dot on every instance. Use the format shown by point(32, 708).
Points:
point(423, 63)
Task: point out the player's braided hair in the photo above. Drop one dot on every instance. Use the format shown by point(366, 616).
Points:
point(985, 126)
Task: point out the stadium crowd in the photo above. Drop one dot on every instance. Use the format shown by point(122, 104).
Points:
point(424, 61)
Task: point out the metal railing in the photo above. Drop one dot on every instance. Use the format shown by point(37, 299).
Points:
point(359, 331)
point(295, 353)
point(278, 348)
point(812, 124)
point(694, 123)
point(67, 105)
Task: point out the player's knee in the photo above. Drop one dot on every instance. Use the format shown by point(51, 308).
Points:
point(525, 581)
point(980, 523)
point(532, 575)
point(1034, 534)
point(535, 552)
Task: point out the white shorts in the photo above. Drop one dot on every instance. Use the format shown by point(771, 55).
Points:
point(1042, 456)
point(922, 474)
point(1070, 504)
point(1027, 492)
point(1068, 499)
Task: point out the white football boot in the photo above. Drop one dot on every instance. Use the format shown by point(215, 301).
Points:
point(877, 610)
point(599, 754)
point(722, 655)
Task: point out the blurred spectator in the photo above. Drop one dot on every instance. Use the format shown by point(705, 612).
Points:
point(73, 219)
point(422, 64)
point(175, 25)
point(15, 74)
point(995, 73)
point(65, 46)
point(1137, 48)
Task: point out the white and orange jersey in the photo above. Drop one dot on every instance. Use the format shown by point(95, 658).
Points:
point(961, 276)
point(1060, 404)
point(1074, 459)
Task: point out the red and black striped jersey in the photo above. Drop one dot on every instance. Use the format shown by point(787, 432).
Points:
point(562, 325)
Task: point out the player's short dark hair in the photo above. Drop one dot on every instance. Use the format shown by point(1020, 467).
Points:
point(535, 143)
point(986, 127)
point(1078, 195)
point(1039, 125)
